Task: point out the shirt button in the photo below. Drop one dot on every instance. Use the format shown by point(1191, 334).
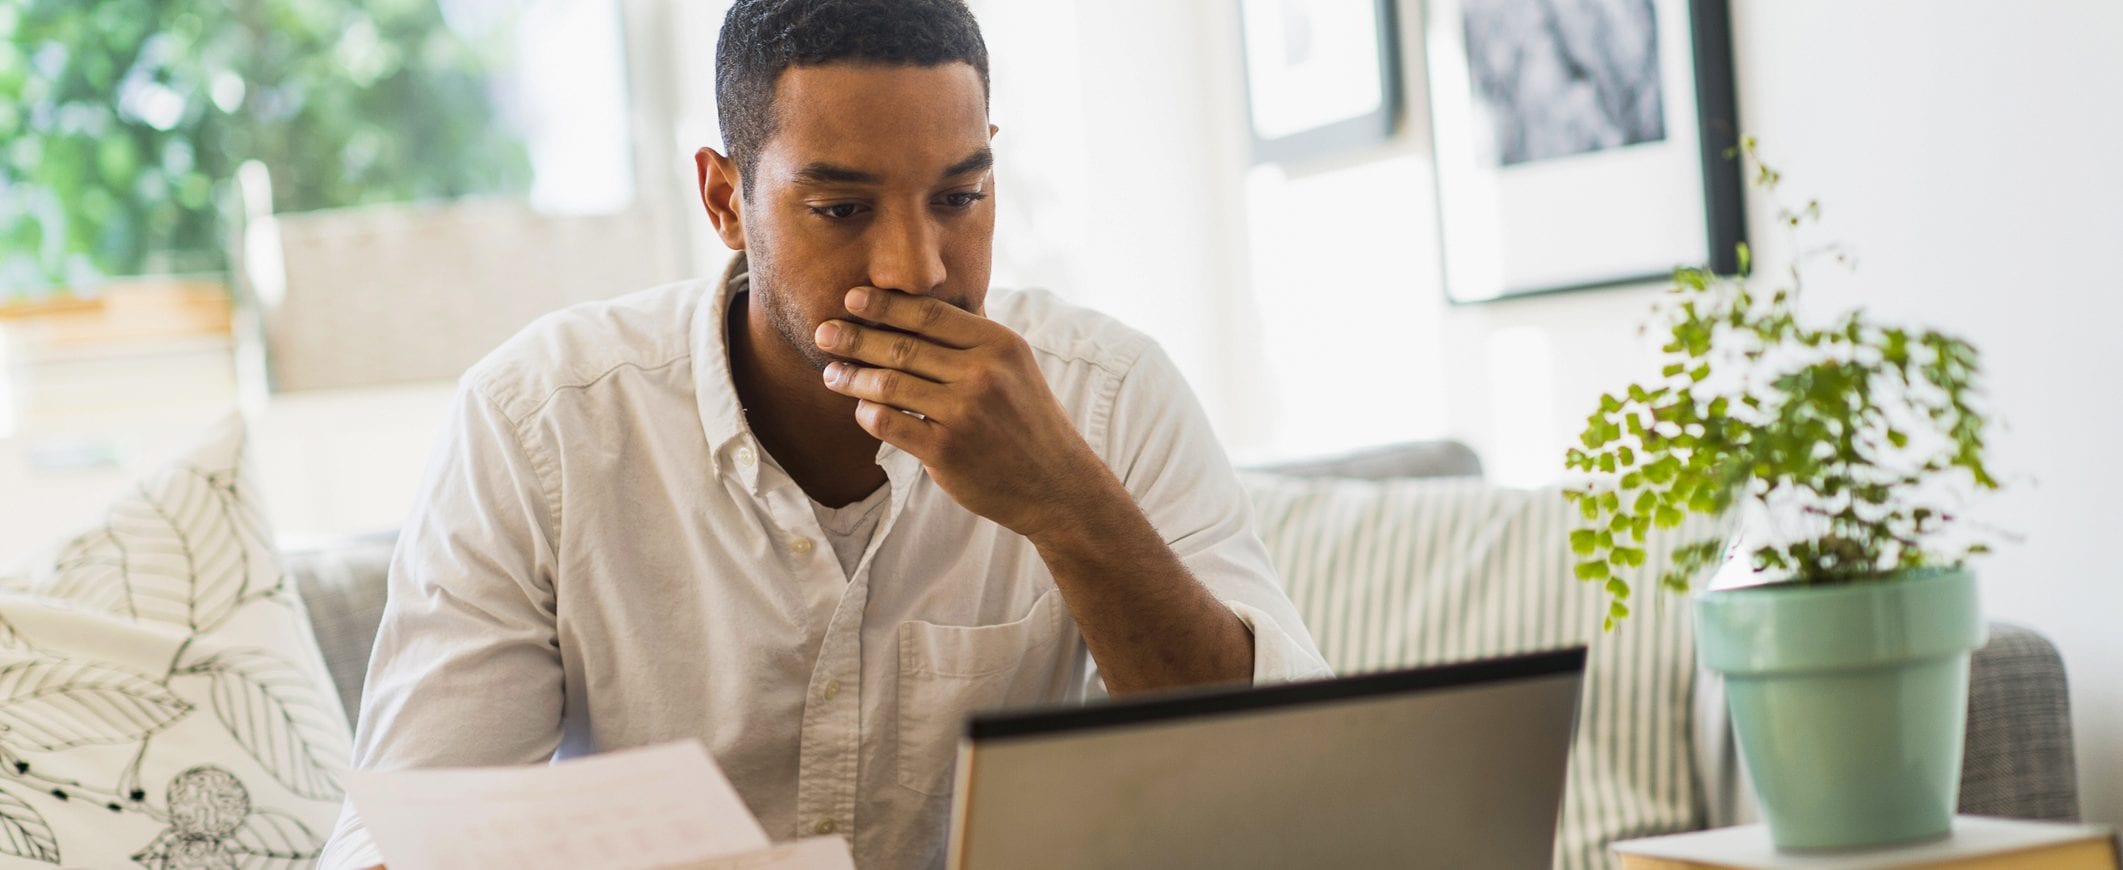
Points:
point(824, 826)
point(746, 457)
point(832, 688)
point(800, 546)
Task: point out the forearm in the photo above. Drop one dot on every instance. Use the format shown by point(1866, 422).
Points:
point(1148, 622)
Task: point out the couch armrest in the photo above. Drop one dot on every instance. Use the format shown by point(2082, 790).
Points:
point(342, 583)
point(2017, 761)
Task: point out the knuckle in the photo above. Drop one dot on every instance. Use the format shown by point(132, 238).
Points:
point(930, 314)
point(873, 417)
point(1012, 349)
point(888, 384)
point(902, 350)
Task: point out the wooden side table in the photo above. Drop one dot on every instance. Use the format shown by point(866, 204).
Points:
point(1977, 843)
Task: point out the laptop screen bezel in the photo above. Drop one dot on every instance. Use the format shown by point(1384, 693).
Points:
point(985, 727)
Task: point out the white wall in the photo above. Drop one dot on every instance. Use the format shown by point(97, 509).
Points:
point(1965, 148)
point(1115, 173)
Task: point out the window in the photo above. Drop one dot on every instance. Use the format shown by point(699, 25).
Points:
point(128, 118)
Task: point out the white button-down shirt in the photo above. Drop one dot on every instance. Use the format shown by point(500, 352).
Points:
point(602, 558)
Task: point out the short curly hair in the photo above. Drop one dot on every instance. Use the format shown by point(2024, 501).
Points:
point(762, 38)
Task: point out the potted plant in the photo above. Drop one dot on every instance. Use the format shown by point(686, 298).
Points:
point(1836, 450)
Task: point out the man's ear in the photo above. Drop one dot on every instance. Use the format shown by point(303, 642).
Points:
point(722, 193)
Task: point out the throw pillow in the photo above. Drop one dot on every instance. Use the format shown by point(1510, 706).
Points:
point(1411, 572)
point(162, 701)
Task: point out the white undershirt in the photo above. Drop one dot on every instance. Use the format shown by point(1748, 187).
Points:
point(849, 528)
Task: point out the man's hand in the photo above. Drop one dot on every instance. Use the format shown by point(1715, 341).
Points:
point(995, 438)
point(990, 430)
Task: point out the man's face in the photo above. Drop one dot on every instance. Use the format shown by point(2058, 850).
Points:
point(874, 176)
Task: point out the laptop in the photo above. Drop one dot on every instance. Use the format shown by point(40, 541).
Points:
point(1453, 766)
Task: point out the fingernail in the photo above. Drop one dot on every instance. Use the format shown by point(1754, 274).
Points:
point(828, 334)
point(858, 298)
point(834, 373)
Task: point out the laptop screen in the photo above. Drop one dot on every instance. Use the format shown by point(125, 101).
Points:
point(1453, 766)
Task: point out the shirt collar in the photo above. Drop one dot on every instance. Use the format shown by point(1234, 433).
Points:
point(714, 387)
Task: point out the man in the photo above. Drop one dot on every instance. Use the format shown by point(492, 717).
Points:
point(814, 513)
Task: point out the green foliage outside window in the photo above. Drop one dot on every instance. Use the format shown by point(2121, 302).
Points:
point(122, 123)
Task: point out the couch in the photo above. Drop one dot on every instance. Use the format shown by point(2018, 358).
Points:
point(1316, 517)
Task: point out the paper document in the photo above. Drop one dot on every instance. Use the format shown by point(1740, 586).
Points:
point(656, 807)
point(811, 853)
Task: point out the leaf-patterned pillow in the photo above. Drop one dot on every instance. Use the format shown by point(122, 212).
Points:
point(162, 700)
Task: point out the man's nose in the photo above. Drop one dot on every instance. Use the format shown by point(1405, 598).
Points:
point(906, 255)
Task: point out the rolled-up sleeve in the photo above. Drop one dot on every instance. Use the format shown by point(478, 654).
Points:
point(466, 669)
point(1279, 655)
point(1161, 445)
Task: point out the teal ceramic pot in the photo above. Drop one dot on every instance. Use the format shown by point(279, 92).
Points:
point(1849, 702)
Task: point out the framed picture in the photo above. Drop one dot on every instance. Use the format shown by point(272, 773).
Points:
point(1321, 76)
point(1581, 144)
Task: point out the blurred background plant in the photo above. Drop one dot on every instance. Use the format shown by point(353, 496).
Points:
point(123, 121)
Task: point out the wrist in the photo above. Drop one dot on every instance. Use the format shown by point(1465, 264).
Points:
point(1076, 518)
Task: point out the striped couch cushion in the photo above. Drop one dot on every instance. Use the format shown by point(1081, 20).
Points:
point(1409, 572)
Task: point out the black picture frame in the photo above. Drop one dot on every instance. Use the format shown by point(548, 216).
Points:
point(1499, 212)
point(1270, 86)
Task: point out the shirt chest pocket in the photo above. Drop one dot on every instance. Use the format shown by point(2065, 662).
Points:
point(948, 671)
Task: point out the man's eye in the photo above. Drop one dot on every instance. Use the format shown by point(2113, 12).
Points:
point(837, 211)
point(964, 200)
